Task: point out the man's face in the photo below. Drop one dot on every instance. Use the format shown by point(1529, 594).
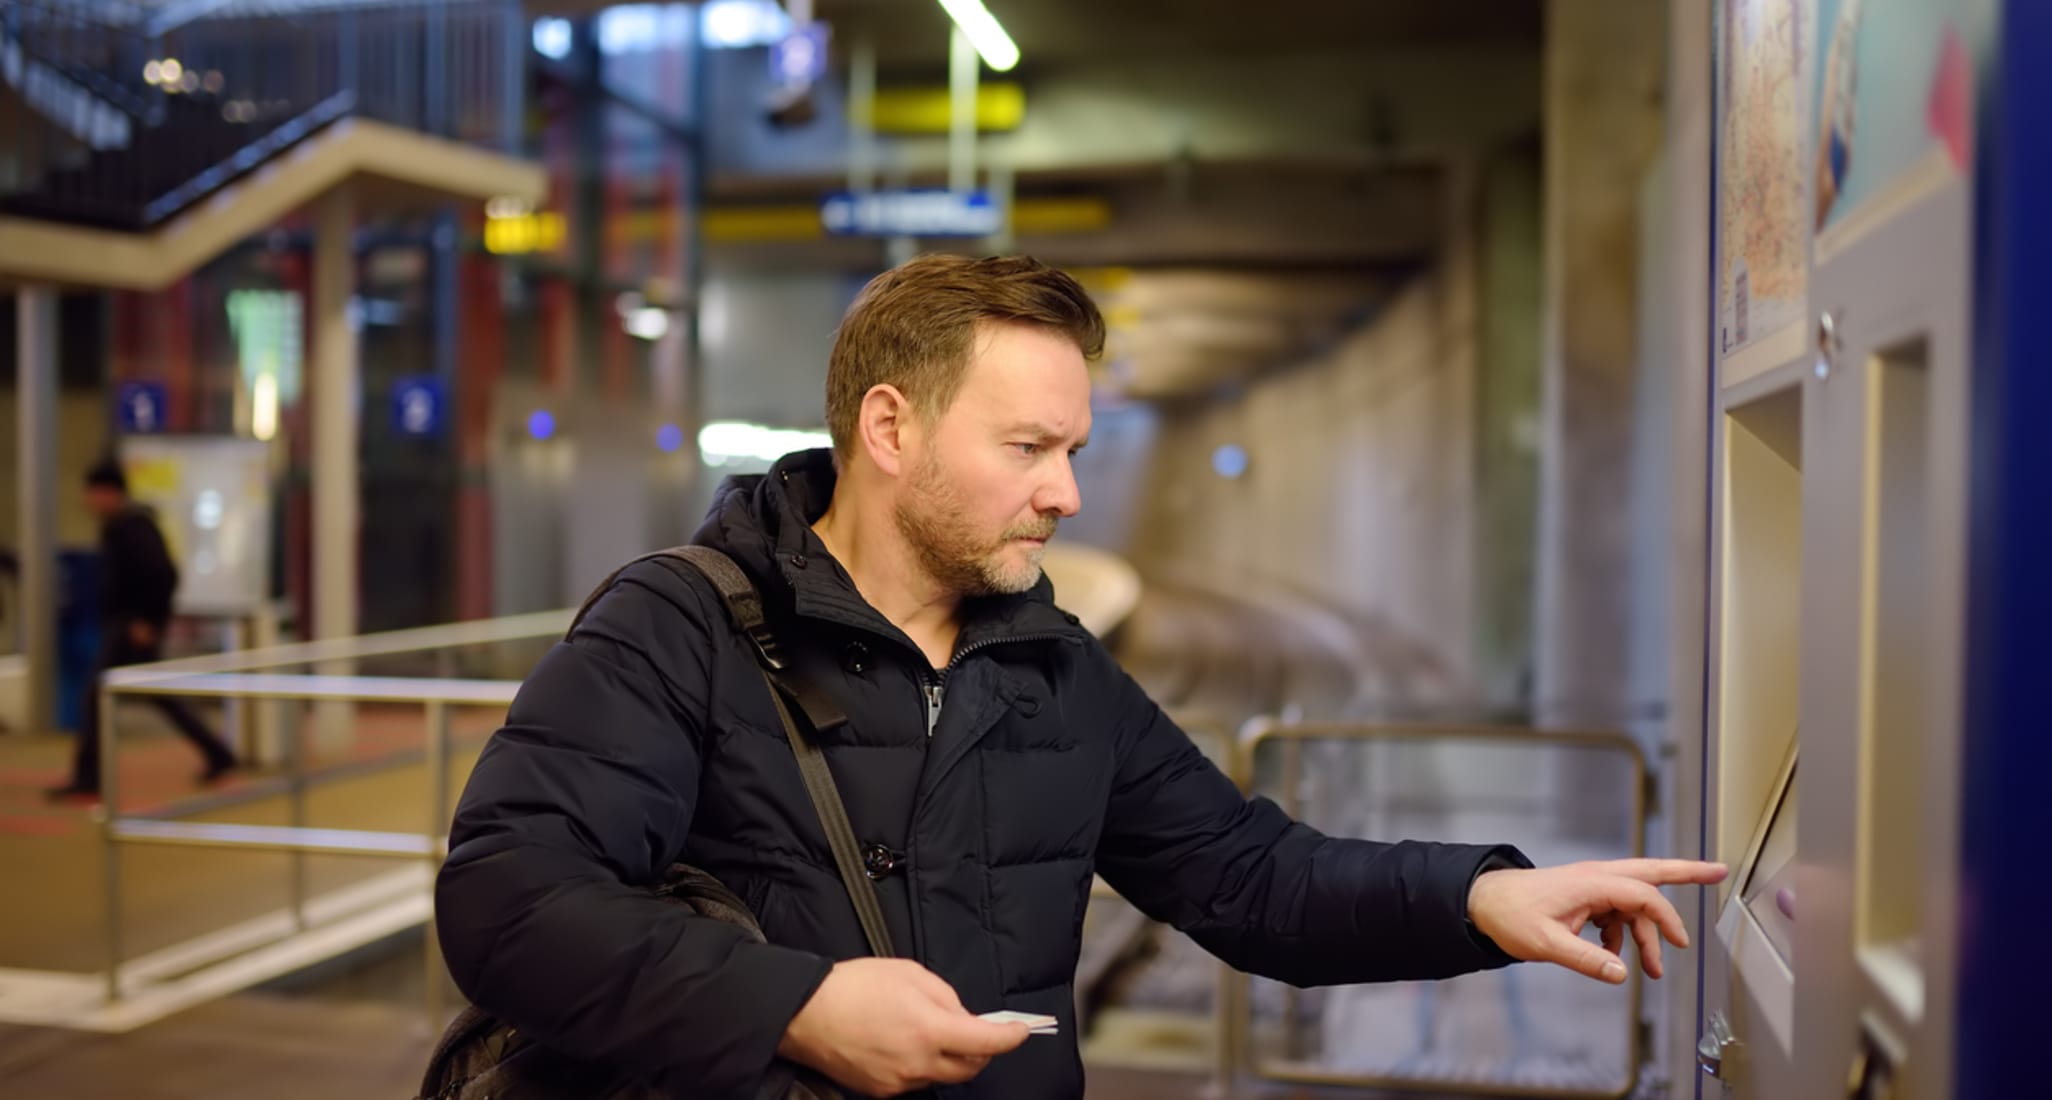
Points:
point(102, 500)
point(990, 478)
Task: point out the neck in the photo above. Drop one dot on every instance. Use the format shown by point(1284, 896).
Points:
point(861, 534)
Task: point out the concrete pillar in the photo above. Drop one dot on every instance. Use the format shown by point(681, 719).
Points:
point(1454, 483)
point(1604, 74)
point(1507, 411)
point(36, 410)
point(337, 387)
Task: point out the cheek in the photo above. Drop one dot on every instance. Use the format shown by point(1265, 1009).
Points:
point(994, 494)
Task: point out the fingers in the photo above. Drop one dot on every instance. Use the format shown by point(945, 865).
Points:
point(1648, 935)
point(1577, 954)
point(1634, 898)
point(1667, 872)
point(1613, 935)
point(1663, 913)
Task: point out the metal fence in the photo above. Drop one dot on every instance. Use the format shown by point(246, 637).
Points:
point(250, 677)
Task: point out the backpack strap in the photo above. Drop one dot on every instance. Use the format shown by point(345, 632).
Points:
point(744, 607)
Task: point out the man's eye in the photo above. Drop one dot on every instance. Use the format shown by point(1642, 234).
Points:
point(1028, 449)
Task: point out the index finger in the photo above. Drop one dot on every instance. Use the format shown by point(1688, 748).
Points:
point(1668, 872)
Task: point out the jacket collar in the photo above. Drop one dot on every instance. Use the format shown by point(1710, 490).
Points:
point(764, 522)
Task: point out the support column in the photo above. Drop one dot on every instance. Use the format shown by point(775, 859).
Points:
point(36, 410)
point(964, 67)
point(482, 345)
point(1603, 83)
point(337, 386)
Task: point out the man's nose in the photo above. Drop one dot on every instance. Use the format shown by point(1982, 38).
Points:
point(1060, 494)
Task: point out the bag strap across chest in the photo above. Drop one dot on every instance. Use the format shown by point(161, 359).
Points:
point(786, 688)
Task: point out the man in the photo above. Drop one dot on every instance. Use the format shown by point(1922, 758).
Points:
point(137, 580)
point(995, 756)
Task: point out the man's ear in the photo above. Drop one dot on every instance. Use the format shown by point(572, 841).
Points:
point(885, 425)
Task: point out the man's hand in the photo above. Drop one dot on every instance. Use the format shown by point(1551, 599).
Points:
point(1538, 915)
point(886, 1026)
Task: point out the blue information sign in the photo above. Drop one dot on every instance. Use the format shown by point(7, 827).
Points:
point(799, 58)
point(417, 406)
point(140, 407)
point(928, 212)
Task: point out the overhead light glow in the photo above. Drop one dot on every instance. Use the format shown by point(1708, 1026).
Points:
point(738, 24)
point(989, 38)
point(263, 402)
point(731, 442)
point(552, 37)
point(643, 28)
point(647, 323)
point(208, 509)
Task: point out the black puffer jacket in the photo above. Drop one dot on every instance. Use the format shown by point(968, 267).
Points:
point(649, 737)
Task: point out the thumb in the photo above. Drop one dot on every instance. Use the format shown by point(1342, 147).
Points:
point(975, 1037)
point(1558, 945)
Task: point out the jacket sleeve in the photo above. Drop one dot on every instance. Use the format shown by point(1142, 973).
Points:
point(1269, 895)
point(575, 807)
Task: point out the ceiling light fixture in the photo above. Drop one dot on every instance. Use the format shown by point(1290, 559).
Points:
point(989, 38)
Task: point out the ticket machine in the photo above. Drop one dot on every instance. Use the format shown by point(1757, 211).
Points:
point(1839, 435)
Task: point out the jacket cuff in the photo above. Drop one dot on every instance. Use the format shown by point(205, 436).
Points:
point(1502, 857)
point(779, 980)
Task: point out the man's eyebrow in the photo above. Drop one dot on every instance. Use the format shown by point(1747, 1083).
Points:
point(1039, 432)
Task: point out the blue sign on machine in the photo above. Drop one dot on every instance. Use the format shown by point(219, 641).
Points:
point(799, 58)
point(924, 212)
point(140, 407)
point(417, 406)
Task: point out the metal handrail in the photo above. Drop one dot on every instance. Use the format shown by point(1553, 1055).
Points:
point(317, 687)
point(1237, 1024)
point(475, 632)
point(239, 675)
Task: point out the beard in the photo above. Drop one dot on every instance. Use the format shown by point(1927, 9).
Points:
point(936, 522)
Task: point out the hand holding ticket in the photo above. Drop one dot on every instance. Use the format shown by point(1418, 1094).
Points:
point(882, 1027)
point(1039, 1025)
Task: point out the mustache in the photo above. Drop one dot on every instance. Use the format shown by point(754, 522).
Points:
point(1043, 531)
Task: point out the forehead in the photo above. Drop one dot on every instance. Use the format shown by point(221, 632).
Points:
point(1027, 372)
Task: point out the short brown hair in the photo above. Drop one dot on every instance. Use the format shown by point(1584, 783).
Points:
point(912, 327)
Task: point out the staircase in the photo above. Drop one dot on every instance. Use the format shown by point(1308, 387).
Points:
point(121, 117)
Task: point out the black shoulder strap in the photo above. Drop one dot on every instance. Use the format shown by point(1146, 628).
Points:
point(744, 606)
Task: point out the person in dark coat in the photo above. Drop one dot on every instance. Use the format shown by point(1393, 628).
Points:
point(995, 758)
point(138, 580)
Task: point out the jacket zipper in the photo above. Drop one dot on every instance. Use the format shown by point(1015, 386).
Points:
point(933, 704)
point(936, 685)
